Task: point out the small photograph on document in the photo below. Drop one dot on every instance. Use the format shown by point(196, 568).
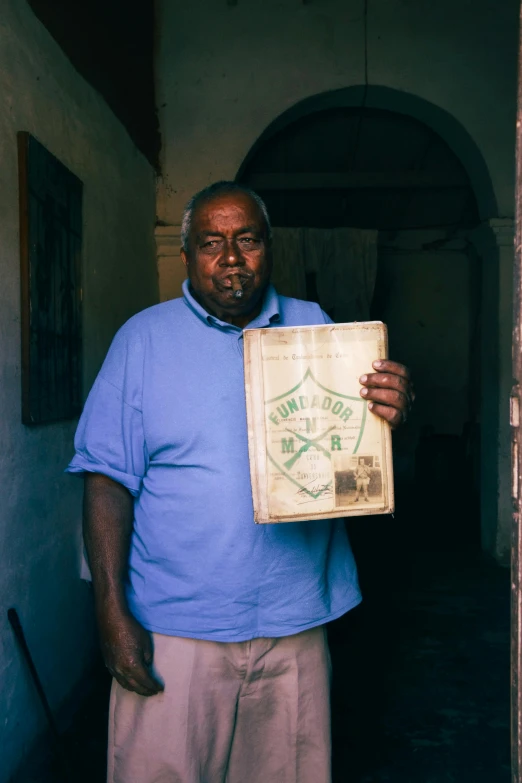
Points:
point(358, 480)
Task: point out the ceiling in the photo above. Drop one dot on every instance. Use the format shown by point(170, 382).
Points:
point(111, 43)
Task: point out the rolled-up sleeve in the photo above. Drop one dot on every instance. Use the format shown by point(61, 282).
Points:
point(110, 438)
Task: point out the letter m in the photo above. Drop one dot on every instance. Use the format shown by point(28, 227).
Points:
point(287, 445)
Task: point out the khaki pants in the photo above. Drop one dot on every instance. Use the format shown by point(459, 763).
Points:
point(242, 712)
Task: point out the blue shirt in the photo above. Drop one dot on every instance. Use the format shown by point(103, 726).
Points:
point(166, 418)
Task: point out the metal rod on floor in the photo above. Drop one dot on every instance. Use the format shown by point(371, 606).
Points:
point(16, 625)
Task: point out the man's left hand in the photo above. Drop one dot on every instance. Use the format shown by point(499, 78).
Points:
point(389, 392)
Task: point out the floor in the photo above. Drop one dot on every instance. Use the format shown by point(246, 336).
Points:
point(421, 688)
point(421, 673)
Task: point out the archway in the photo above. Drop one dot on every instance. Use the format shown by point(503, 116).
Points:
point(412, 174)
point(385, 98)
point(370, 168)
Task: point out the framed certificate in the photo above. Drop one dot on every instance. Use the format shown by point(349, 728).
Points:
point(316, 450)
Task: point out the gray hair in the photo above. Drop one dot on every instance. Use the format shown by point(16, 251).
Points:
point(217, 189)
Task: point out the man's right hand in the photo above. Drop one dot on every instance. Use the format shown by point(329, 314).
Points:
point(127, 651)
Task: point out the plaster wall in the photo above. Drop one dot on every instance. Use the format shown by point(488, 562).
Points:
point(40, 508)
point(225, 72)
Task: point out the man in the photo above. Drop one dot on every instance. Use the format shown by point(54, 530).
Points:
point(212, 626)
point(362, 480)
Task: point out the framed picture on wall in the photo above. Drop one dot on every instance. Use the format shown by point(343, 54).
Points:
point(51, 288)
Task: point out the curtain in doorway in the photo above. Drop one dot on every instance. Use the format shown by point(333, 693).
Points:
point(338, 265)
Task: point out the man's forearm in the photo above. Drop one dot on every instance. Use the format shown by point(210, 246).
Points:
point(108, 513)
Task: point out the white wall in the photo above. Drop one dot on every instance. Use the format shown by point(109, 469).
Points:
point(227, 72)
point(40, 508)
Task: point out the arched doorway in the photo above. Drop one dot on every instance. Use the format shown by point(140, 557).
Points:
point(395, 173)
point(370, 168)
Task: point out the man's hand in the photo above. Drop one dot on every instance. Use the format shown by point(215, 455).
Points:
point(389, 391)
point(127, 651)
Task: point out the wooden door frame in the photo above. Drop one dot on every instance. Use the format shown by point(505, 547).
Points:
point(516, 444)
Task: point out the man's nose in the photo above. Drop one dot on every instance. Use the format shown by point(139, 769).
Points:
point(233, 256)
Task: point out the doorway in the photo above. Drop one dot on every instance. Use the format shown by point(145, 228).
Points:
point(413, 694)
point(383, 170)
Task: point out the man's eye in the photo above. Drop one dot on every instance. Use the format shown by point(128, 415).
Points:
point(249, 240)
point(210, 243)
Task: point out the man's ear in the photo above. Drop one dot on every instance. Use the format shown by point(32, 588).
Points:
point(184, 257)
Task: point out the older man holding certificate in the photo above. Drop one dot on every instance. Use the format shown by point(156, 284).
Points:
point(212, 626)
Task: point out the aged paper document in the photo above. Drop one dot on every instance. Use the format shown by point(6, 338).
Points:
point(316, 451)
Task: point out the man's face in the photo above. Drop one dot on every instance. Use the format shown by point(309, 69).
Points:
point(228, 236)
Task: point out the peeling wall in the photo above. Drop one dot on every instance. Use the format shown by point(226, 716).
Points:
point(40, 508)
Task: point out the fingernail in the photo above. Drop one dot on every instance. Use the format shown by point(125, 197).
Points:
point(364, 392)
point(363, 378)
point(377, 364)
point(370, 405)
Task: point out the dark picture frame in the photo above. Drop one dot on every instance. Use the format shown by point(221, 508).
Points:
point(51, 285)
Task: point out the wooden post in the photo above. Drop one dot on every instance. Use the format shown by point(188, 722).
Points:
point(516, 442)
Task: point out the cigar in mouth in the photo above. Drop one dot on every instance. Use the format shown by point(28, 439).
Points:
point(237, 288)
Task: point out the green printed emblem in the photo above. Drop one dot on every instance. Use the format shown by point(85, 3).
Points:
point(305, 426)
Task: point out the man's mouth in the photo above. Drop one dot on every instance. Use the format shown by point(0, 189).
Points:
point(235, 282)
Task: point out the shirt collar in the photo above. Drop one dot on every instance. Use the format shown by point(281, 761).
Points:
point(269, 312)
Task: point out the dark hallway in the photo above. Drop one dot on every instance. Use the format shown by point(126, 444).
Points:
point(426, 662)
point(422, 668)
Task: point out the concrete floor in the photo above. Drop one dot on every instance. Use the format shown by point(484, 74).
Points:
point(429, 700)
point(421, 674)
